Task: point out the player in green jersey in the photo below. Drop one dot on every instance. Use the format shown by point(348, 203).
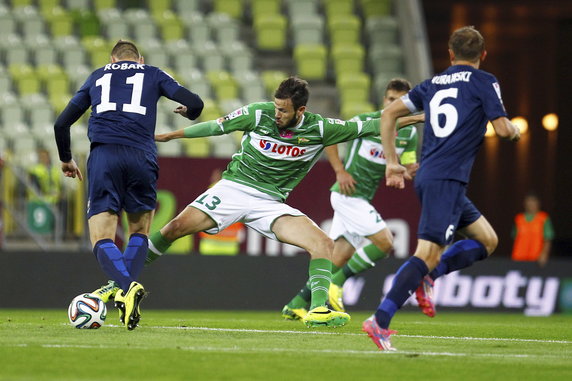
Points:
point(281, 143)
point(354, 217)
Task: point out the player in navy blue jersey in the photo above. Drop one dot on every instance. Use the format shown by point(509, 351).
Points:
point(458, 103)
point(122, 166)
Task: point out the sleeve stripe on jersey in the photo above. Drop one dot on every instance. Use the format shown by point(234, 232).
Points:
point(359, 126)
point(321, 125)
point(258, 115)
point(413, 132)
point(352, 153)
point(408, 103)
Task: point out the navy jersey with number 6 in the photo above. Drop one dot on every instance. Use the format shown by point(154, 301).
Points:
point(123, 97)
point(457, 104)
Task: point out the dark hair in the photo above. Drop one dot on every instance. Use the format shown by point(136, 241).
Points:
point(124, 49)
point(467, 44)
point(295, 89)
point(398, 84)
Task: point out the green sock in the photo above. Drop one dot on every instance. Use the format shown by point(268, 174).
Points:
point(158, 245)
point(320, 272)
point(302, 299)
point(364, 258)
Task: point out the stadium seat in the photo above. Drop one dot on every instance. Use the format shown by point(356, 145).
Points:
point(197, 28)
point(335, 8)
point(350, 109)
point(344, 29)
point(211, 57)
point(311, 61)
point(78, 5)
point(181, 55)
point(197, 147)
point(229, 105)
point(88, 23)
point(270, 32)
point(307, 29)
point(222, 146)
point(348, 58)
point(104, 4)
point(43, 52)
point(386, 58)
point(169, 24)
point(14, 50)
point(271, 80)
point(226, 29)
point(376, 7)
point(238, 58)
point(234, 8)
point(158, 6)
point(224, 85)
point(61, 22)
point(211, 111)
point(11, 115)
point(184, 6)
point(195, 80)
point(301, 8)
point(252, 87)
point(262, 8)
point(353, 87)
point(7, 22)
point(25, 79)
point(5, 80)
point(381, 29)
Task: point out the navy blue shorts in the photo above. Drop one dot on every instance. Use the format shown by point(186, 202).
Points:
point(121, 178)
point(445, 208)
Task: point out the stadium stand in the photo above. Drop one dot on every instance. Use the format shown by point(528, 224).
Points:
point(231, 52)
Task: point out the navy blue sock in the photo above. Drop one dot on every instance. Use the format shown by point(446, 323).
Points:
point(135, 254)
point(461, 254)
point(110, 259)
point(405, 283)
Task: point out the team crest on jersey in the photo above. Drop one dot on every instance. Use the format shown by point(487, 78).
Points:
point(496, 86)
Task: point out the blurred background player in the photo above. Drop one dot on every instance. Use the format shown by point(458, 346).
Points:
point(122, 166)
point(281, 143)
point(354, 216)
point(457, 104)
point(532, 233)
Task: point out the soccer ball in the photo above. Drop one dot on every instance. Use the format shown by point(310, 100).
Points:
point(87, 311)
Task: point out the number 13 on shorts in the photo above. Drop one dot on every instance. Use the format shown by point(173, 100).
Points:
point(209, 201)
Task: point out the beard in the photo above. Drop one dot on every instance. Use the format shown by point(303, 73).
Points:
point(293, 122)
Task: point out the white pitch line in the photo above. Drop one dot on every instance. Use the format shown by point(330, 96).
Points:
point(467, 338)
point(237, 349)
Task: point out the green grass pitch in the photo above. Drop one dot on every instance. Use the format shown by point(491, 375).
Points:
point(226, 345)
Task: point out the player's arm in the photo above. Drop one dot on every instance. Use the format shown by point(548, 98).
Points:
point(210, 128)
point(73, 111)
point(409, 156)
point(394, 172)
point(241, 119)
point(506, 129)
point(192, 104)
point(343, 177)
point(405, 121)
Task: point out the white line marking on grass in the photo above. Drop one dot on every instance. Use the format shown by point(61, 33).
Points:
point(467, 338)
point(237, 349)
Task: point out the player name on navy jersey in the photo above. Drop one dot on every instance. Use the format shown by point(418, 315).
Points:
point(458, 103)
point(123, 97)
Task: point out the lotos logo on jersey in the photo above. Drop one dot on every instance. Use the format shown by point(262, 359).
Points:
point(281, 149)
point(376, 153)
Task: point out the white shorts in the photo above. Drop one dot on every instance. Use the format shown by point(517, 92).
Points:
point(354, 218)
point(228, 202)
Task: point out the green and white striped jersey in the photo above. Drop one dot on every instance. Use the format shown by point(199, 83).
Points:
point(274, 161)
point(365, 160)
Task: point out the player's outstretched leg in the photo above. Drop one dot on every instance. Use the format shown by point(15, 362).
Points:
point(107, 291)
point(424, 296)
point(319, 315)
point(296, 308)
point(133, 299)
point(380, 336)
point(458, 256)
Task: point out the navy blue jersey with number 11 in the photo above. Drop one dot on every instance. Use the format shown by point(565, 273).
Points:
point(123, 97)
point(457, 104)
